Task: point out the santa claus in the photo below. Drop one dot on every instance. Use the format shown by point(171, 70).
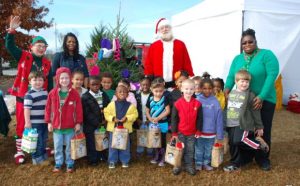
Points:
point(167, 55)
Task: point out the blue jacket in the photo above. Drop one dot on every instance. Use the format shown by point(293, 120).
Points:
point(212, 116)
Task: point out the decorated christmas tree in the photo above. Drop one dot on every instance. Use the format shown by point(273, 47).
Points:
point(113, 51)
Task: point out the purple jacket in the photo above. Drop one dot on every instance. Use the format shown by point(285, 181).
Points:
point(212, 116)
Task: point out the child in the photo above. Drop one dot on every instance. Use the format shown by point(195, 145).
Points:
point(141, 98)
point(157, 110)
point(120, 112)
point(243, 122)
point(130, 98)
point(34, 113)
point(218, 91)
point(33, 61)
point(93, 103)
point(197, 80)
point(63, 114)
point(212, 126)
point(187, 119)
point(106, 82)
point(180, 76)
point(77, 82)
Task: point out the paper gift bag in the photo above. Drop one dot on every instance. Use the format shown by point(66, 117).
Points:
point(101, 140)
point(119, 138)
point(217, 155)
point(78, 146)
point(174, 154)
point(29, 140)
point(154, 138)
point(142, 137)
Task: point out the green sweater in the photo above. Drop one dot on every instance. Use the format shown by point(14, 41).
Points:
point(263, 68)
point(16, 53)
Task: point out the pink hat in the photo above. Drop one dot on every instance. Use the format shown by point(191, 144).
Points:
point(161, 22)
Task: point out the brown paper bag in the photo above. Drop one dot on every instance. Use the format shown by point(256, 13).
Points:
point(173, 155)
point(154, 138)
point(78, 146)
point(119, 139)
point(101, 141)
point(141, 136)
point(217, 155)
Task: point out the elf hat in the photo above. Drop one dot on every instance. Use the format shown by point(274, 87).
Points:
point(162, 22)
point(38, 39)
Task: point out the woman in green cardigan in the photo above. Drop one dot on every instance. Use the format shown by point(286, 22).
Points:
point(263, 66)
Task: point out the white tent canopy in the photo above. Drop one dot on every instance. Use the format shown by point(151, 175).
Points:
point(212, 31)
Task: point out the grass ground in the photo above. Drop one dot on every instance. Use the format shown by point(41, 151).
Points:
point(285, 158)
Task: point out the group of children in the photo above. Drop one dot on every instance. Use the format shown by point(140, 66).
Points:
point(192, 112)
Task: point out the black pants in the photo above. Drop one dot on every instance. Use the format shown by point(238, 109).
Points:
point(267, 113)
point(93, 155)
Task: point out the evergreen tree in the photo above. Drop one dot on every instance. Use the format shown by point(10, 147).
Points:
point(127, 64)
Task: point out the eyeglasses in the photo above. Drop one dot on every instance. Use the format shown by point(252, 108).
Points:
point(248, 42)
point(40, 46)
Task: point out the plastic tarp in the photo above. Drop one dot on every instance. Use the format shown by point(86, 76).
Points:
point(212, 30)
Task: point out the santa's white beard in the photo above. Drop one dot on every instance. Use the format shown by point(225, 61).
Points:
point(167, 36)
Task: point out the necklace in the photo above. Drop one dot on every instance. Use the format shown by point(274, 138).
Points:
point(248, 59)
point(38, 69)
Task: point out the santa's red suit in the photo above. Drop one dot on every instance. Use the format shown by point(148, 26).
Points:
point(160, 63)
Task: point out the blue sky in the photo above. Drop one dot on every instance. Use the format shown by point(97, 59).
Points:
point(81, 17)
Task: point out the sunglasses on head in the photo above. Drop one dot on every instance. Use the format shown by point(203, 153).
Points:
point(248, 42)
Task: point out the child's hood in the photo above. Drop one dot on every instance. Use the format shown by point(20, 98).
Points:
point(59, 71)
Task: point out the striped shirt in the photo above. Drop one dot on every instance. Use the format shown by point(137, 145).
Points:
point(35, 100)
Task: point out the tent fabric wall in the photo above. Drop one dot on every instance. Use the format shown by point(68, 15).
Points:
point(212, 30)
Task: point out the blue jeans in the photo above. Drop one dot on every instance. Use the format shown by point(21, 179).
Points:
point(59, 140)
point(203, 150)
point(189, 149)
point(40, 154)
point(114, 155)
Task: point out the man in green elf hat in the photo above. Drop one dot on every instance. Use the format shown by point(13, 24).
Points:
point(27, 62)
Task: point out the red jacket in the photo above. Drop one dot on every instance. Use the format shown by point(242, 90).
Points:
point(187, 117)
point(71, 112)
point(20, 86)
point(154, 60)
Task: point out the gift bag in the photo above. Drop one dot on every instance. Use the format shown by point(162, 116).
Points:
point(154, 138)
point(119, 138)
point(142, 137)
point(101, 139)
point(78, 146)
point(217, 155)
point(174, 153)
point(29, 140)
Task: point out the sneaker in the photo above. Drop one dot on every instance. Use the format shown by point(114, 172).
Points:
point(176, 171)
point(161, 164)
point(153, 161)
point(111, 165)
point(70, 169)
point(191, 171)
point(262, 144)
point(208, 167)
point(19, 158)
point(57, 168)
point(265, 166)
point(199, 168)
point(125, 165)
point(231, 168)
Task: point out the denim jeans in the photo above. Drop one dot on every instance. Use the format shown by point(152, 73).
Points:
point(203, 150)
point(114, 155)
point(40, 155)
point(59, 141)
point(189, 149)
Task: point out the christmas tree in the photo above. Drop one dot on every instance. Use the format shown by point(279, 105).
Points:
point(122, 63)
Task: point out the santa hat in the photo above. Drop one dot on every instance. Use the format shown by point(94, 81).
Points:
point(162, 22)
